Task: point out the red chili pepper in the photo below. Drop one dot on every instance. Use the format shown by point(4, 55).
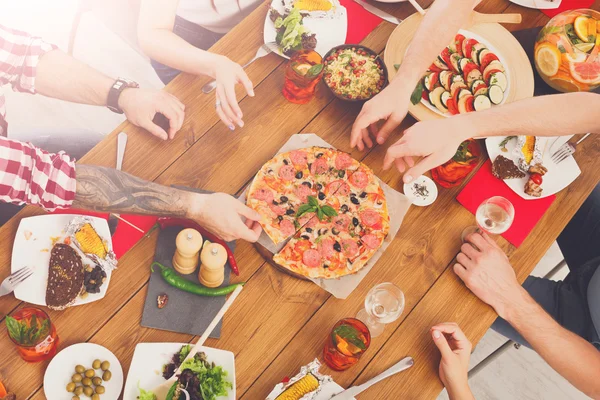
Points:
point(165, 222)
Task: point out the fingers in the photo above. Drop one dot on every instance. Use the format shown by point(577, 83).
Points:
point(451, 328)
point(154, 129)
point(174, 114)
point(175, 100)
point(420, 168)
point(469, 251)
point(246, 82)
point(400, 165)
point(221, 113)
point(248, 213)
point(491, 241)
point(478, 240)
point(461, 271)
point(465, 261)
point(388, 127)
point(248, 234)
point(366, 136)
point(442, 344)
point(223, 104)
point(232, 102)
point(362, 123)
point(394, 152)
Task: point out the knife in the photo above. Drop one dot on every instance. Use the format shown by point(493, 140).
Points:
point(401, 365)
point(113, 219)
point(376, 11)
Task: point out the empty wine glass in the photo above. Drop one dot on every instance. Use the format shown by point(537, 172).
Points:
point(384, 304)
point(494, 216)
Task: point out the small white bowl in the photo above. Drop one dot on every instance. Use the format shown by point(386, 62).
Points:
point(423, 197)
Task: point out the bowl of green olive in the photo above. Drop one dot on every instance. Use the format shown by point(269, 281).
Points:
point(84, 371)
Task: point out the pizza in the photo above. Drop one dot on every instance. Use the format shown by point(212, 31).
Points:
point(330, 205)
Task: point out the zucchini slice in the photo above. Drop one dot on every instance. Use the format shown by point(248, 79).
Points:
point(445, 97)
point(438, 62)
point(483, 91)
point(463, 62)
point(475, 52)
point(476, 83)
point(499, 78)
point(495, 94)
point(482, 102)
point(474, 75)
point(445, 79)
point(482, 54)
point(455, 60)
point(435, 98)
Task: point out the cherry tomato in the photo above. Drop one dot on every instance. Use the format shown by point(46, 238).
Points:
point(536, 178)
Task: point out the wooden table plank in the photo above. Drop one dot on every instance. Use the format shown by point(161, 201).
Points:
point(440, 305)
point(281, 323)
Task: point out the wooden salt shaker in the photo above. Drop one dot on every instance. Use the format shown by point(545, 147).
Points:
point(188, 243)
point(212, 268)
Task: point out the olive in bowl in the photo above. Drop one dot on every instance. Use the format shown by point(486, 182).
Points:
point(354, 72)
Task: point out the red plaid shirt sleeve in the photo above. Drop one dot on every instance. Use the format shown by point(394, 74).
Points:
point(19, 57)
point(29, 175)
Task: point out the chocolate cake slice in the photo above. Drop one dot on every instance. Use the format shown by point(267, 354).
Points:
point(503, 168)
point(65, 277)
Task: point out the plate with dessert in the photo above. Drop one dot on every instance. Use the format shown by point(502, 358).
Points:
point(525, 164)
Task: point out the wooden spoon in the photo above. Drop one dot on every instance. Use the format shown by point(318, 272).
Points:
point(162, 390)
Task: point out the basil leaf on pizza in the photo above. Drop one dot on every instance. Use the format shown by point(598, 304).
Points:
point(329, 211)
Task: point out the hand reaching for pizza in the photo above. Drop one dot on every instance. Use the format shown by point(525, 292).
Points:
point(435, 140)
point(224, 216)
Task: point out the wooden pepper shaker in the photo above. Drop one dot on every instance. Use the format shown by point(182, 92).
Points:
point(188, 243)
point(212, 268)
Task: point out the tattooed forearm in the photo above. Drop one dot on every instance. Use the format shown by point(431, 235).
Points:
point(108, 190)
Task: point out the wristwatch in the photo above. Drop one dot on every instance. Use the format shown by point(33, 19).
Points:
point(115, 92)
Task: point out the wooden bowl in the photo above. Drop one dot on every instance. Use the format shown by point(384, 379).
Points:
point(518, 67)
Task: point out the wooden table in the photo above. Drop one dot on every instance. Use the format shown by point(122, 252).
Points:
point(279, 323)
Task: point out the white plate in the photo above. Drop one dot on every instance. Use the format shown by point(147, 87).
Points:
point(330, 32)
point(62, 367)
point(35, 253)
point(420, 200)
point(539, 4)
point(149, 358)
point(471, 35)
point(556, 179)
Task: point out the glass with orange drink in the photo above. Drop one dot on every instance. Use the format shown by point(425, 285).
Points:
point(302, 74)
point(348, 340)
point(567, 51)
point(34, 335)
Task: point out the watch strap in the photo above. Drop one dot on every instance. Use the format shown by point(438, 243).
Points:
point(115, 91)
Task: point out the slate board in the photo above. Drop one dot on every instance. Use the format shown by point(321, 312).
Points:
point(185, 312)
point(527, 38)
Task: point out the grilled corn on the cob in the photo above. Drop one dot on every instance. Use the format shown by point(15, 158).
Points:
point(300, 388)
point(90, 242)
point(313, 5)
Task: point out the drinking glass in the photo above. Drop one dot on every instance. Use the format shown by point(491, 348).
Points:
point(348, 340)
point(494, 216)
point(302, 73)
point(37, 339)
point(384, 304)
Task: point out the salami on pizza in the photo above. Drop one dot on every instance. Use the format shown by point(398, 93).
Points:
point(332, 205)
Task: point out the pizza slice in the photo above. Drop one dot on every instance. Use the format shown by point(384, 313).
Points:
point(319, 250)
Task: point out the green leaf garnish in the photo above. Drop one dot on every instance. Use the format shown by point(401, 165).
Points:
point(313, 201)
point(417, 94)
point(320, 214)
point(315, 70)
point(349, 334)
point(329, 211)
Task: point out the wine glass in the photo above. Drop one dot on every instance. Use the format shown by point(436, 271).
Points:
point(494, 216)
point(384, 304)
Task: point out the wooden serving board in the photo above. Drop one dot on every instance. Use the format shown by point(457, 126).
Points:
point(518, 68)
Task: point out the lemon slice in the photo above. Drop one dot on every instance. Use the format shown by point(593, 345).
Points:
point(547, 59)
point(584, 47)
point(581, 26)
point(576, 57)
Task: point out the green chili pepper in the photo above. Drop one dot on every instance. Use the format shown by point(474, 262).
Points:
point(171, 277)
point(171, 392)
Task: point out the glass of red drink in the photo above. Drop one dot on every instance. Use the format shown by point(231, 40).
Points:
point(348, 340)
point(302, 73)
point(33, 334)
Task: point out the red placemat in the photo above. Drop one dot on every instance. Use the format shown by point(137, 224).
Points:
point(527, 212)
point(125, 236)
point(360, 22)
point(569, 5)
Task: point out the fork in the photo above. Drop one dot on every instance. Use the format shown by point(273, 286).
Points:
point(13, 280)
point(566, 150)
point(265, 49)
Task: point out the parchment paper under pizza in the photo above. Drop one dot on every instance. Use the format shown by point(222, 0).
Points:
point(324, 214)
